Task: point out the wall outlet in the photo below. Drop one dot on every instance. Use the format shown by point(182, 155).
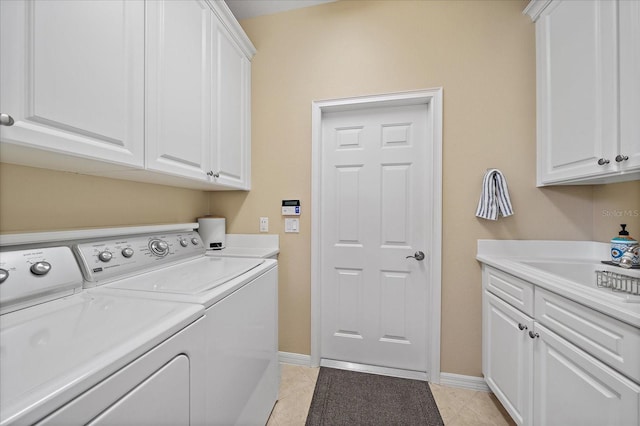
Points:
point(264, 224)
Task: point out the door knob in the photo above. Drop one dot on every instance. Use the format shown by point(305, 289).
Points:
point(417, 256)
point(6, 120)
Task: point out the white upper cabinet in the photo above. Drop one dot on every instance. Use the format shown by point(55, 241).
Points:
point(587, 90)
point(629, 48)
point(231, 155)
point(198, 94)
point(154, 91)
point(72, 78)
point(179, 82)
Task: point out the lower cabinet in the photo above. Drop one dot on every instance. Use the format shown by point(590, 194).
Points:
point(507, 356)
point(543, 379)
point(573, 388)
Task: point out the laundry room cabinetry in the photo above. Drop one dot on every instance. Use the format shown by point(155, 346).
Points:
point(550, 360)
point(151, 91)
point(588, 92)
point(179, 95)
point(231, 148)
point(198, 94)
point(72, 83)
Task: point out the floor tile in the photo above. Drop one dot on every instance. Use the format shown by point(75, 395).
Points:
point(458, 407)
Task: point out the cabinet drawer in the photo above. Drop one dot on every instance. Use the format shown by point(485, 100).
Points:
point(611, 341)
point(512, 290)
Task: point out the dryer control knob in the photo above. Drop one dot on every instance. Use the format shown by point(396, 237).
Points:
point(194, 241)
point(4, 274)
point(184, 242)
point(159, 247)
point(40, 268)
point(127, 252)
point(105, 256)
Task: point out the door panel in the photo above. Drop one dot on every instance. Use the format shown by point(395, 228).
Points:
point(72, 78)
point(179, 87)
point(508, 356)
point(572, 387)
point(374, 214)
point(231, 150)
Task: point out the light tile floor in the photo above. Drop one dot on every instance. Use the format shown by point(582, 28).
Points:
point(458, 407)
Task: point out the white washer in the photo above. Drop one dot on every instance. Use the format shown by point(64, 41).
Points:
point(69, 356)
point(240, 300)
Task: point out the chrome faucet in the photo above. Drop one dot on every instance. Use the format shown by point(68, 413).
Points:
point(626, 261)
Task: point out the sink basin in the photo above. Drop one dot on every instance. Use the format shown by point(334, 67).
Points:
point(584, 273)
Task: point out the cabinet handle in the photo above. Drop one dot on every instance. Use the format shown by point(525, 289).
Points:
point(216, 175)
point(603, 161)
point(533, 335)
point(522, 326)
point(6, 120)
point(620, 158)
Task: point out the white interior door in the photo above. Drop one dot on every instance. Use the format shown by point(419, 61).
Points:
point(376, 208)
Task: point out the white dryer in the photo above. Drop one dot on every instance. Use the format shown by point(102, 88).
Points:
point(69, 356)
point(240, 297)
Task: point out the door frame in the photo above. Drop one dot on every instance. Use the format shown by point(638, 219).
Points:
point(433, 98)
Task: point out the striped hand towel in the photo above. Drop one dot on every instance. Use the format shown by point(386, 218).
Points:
point(495, 196)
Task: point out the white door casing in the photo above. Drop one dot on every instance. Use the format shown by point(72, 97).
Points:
point(376, 200)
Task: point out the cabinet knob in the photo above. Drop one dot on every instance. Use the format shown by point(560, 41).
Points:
point(533, 335)
point(522, 326)
point(6, 120)
point(620, 158)
point(603, 161)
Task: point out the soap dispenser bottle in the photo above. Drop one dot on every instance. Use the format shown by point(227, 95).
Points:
point(620, 244)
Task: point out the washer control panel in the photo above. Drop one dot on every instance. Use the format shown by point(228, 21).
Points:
point(106, 260)
point(29, 277)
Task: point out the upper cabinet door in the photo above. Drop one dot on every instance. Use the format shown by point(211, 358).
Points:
point(179, 78)
point(577, 91)
point(72, 75)
point(628, 154)
point(231, 156)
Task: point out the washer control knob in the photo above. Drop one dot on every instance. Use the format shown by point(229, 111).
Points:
point(159, 247)
point(127, 252)
point(105, 256)
point(194, 241)
point(184, 242)
point(4, 274)
point(40, 268)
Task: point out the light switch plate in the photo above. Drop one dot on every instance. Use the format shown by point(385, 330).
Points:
point(292, 225)
point(264, 224)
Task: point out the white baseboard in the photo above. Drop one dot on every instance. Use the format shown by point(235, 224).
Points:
point(446, 379)
point(293, 358)
point(465, 382)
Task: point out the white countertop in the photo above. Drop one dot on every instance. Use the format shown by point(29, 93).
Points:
point(248, 245)
point(510, 256)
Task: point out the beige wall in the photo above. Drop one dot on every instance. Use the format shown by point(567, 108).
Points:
point(483, 55)
point(613, 205)
point(43, 200)
point(480, 52)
